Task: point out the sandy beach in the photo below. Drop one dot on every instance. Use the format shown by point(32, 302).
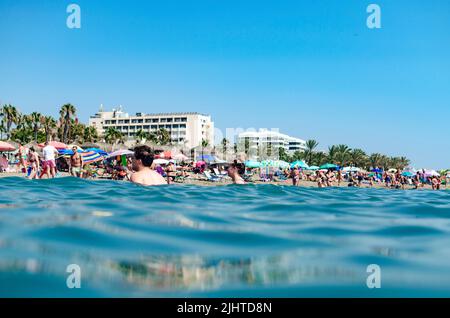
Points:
point(199, 181)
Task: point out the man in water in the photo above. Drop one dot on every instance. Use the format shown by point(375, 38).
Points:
point(233, 173)
point(142, 162)
point(76, 163)
point(49, 164)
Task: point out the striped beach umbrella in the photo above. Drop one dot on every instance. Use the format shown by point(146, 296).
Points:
point(91, 157)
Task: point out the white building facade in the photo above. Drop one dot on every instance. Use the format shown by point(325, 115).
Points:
point(264, 139)
point(187, 129)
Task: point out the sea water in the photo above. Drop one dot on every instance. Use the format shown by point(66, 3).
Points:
point(221, 241)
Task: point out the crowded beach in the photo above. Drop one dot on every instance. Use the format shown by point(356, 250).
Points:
point(149, 166)
point(41, 147)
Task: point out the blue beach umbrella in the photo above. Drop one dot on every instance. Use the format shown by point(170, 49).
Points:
point(252, 164)
point(97, 150)
point(299, 164)
point(313, 168)
point(329, 166)
point(407, 174)
point(91, 156)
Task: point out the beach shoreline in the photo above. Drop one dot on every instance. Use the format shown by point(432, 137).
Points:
point(200, 182)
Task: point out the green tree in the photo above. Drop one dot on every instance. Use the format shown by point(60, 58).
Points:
point(90, 134)
point(35, 121)
point(141, 135)
point(49, 124)
point(204, 144)
point(113, 136)
point(12, 116)
point(358, 158)
point(311, 145)
point(66, 112)
point(342, 154)
point(332, 153)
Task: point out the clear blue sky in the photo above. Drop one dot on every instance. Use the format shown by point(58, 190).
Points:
point(310, 68)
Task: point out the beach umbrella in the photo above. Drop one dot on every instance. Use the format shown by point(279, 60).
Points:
point(281, 164)
point(392, 170)
point(207, 158)
point(351, 169)
point(67, 152)
point(377, 170)
point(180, 157)
point(299, 164)
point(431, 173)
point(329, 166)
point(407, 174)
point(160, 161)
point(97, 150)
point(121, 152)
point(56, 144)
point(164, 155)
point(91, 157)
point(4, 146)
point(252, 164)
point(313, 168)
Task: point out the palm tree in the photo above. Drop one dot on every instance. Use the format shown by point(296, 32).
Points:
point(35, 121)
point(48, 123)
point(112, 135)
point(2, 128)
point(332, 152)
point(311, 144)
point(224, 143)
point(358, 158)
point(342, 154)
point(141, 135)
point(66, 112)
point(375, 160)
point(163, 136)
point(90, 134)
point(205, 144)
point(319, 158)
point(11, 115)
point(76, 133)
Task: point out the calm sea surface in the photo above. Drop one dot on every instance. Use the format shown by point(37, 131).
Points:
point(224, 241)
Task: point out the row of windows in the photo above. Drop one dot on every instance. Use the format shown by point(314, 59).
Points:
point(148, 120)
point(153, 127)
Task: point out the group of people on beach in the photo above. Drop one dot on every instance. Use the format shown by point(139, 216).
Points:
point(140, 169)
point(392, 180)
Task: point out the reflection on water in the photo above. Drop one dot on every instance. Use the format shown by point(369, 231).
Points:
point(251, 240)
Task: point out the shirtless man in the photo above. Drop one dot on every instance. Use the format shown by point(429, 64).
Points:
point(233, 173)
point(142, 162)
point(76, 163)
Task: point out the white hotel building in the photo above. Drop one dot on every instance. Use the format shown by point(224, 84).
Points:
point(187, 129)
point(263, 138)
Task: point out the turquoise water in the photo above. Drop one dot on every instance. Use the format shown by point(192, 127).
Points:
point(225, 241)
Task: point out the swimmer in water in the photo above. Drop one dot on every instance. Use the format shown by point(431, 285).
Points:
point(233, 173)
point(142, 162)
